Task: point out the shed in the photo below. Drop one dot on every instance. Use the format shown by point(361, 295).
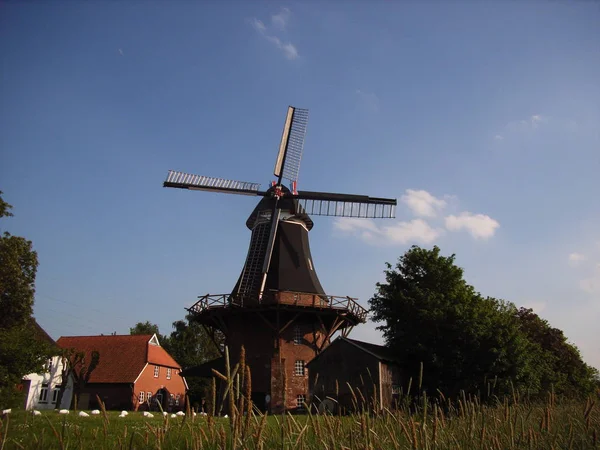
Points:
point(371, 371)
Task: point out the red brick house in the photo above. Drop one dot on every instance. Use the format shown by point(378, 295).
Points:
point(134, 372)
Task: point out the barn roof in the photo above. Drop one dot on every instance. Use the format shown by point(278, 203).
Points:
point(380, 352)
point(122, 357)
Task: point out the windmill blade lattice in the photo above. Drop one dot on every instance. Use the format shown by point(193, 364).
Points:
point(184, 180)
point(346, 205)
point(287, 164)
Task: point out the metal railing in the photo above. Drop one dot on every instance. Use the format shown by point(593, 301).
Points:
point(286, 298)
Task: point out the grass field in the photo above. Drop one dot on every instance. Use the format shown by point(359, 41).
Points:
point(465, 425)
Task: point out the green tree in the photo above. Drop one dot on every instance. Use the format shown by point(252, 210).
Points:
point(19, 353)
point(560, 367)
point(190, 345)
point(76, 365)
point(430, 315)
point(145, 328)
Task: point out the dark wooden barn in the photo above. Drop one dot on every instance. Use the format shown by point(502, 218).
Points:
point(349, 369)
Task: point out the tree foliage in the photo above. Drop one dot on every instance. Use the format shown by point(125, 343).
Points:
point(19, 353)
point(146, 328)
point(76, 365)
point(558, 363)
point(430, 315)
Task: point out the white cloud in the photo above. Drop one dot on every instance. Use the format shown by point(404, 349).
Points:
point(369, 99)
point(591, 285)
point(289, 50)
point(521, 126)
point(576, 258)
point(279, 21)
point(415, 231)
point(425, 206)
point(480, 226)
point(422, 203)
point(354, 224)
point(258, 25)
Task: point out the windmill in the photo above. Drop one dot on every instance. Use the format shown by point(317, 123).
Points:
point(278, 286)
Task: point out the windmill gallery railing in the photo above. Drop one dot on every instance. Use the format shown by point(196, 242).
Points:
point(282, 298)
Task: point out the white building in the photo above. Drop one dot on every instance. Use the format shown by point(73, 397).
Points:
point(42, 388)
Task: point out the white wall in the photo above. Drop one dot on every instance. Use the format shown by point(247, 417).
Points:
point(53, 378)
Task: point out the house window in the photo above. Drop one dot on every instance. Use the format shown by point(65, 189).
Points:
point(55, 393)
point(156, 371)
point(44, 393)
point(141, 397)
point(177, 400)
point(149, 397)
point(299, 367)
point(49, 365)
point(300, 399)
point(171, 399)
point(168, 373)
point(159, 398)
point(298, 335)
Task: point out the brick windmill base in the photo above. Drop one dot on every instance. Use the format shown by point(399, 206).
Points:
point(281, 334)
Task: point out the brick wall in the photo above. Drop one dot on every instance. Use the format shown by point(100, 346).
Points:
point(147, 382)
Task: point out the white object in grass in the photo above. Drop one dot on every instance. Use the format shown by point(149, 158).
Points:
point(6, 411)
point(180, 413)
point(173, 416)
point(95, 412)
point(64, 411)
point(37, 413)
point(83, 414)
point(124, 413)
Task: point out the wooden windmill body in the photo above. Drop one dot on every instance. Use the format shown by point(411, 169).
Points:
point(278, 309)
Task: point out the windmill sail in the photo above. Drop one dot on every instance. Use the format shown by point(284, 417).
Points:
point(287, 164)
point(346, 205)
point(201, 183)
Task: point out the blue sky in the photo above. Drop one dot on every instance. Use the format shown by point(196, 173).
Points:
point(481, 118)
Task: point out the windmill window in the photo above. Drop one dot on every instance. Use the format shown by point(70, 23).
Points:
point(300, 400)
point(298, 335)
point(55, 393)
point(299, 367)
point(141, 397)
point(149, 397)
point(156, 371)
point(168, 373)
point(44, 393)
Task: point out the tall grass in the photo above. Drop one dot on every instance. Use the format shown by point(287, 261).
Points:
point(430, 423)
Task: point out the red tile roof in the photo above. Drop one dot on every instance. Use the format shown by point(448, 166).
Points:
point(122, 358)
point(158, 355)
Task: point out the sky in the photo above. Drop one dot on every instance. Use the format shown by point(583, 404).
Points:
point(481, 118)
